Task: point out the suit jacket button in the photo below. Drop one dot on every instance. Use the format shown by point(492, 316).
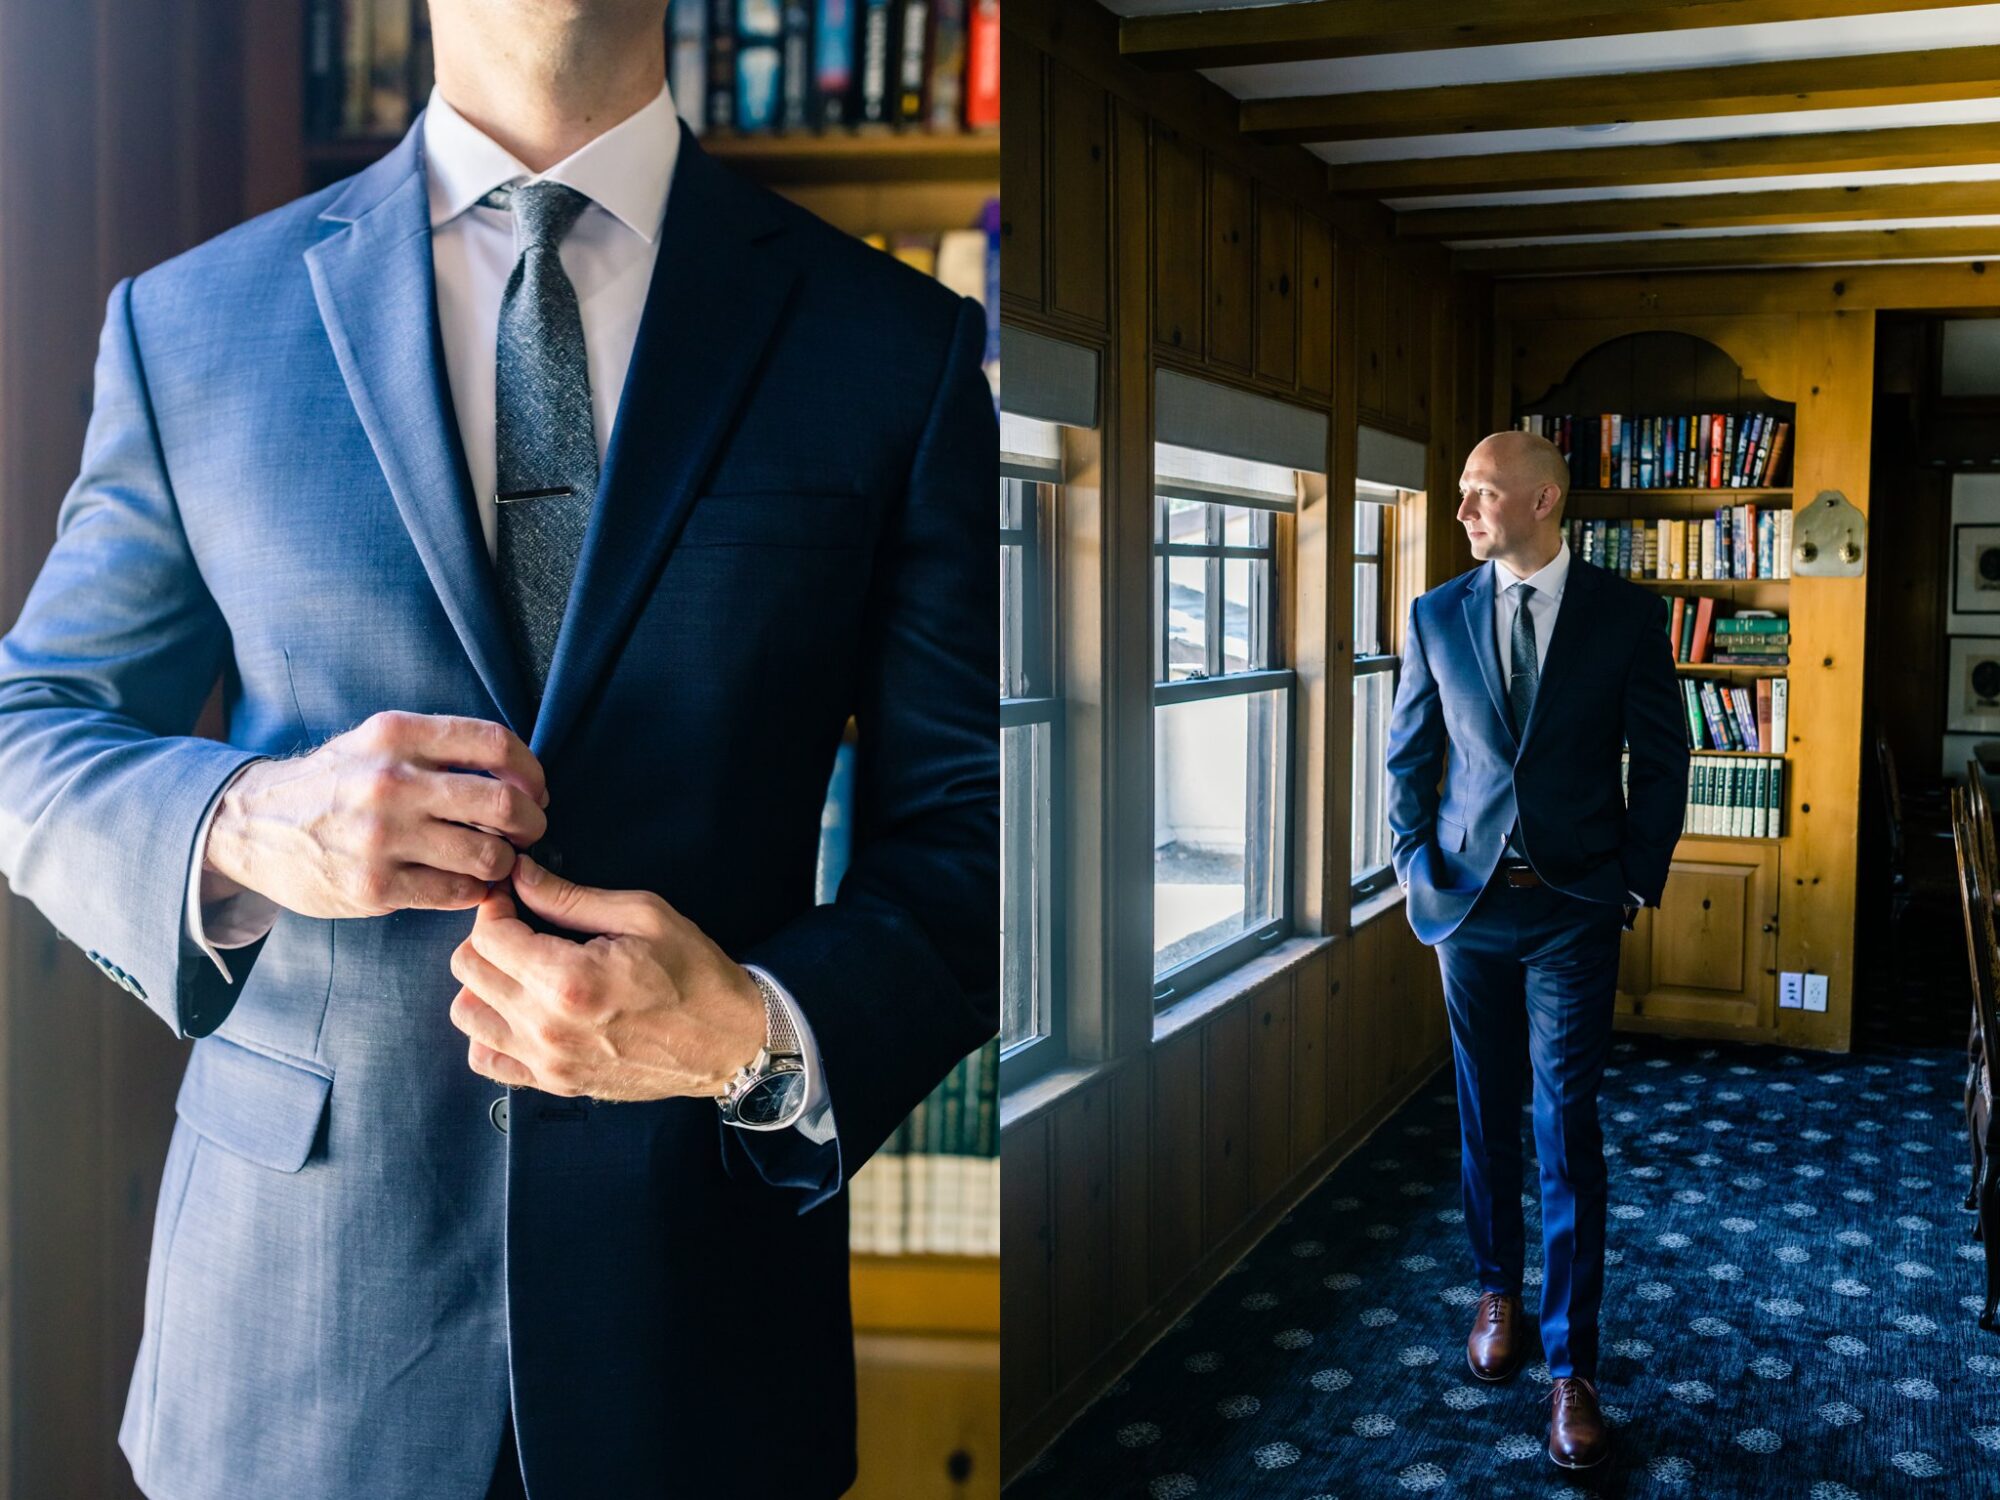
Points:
point(497, 1113)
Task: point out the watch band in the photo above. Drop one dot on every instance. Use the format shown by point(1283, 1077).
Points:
point(781, 1038)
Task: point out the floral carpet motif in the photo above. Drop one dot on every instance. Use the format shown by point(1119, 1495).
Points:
point(1789, 1311)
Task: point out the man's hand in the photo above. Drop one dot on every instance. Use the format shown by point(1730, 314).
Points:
point(383, 817)
point(648, 1008)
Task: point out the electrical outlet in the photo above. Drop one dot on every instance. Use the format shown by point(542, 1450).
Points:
point(1791, 991)
point(1815, 992)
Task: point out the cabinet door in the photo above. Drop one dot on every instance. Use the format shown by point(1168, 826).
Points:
point(1277, 275)
point(1229, 267)
point(1079, 196)
point(1177, 242)
point(1714, 940)
point(1316, 305)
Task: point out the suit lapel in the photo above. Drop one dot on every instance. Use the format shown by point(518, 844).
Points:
point(712, 307)
point(1478, 603)
point(372, 279)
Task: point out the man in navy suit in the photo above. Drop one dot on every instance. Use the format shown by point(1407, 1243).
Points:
point(543, 487)
point(1534, 669)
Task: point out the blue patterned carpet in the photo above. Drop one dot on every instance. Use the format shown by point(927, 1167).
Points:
point(1790, 1310)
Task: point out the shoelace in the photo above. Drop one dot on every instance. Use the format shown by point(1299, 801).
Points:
point(1566, 1388)
point(1498, 1311)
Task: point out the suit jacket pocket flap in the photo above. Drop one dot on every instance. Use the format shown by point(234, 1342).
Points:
point(264, 1110)
point(1450, 835)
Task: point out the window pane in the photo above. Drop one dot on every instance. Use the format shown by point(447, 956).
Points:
point(1219, 769)
point(1013, 661)
point(1026, 879)
point(1367, 608)
point(1367, 529)
point(1374, 697)
point(1245, 528)
point(1187, 617)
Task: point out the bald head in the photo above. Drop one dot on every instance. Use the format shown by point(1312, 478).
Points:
point(1511, 499)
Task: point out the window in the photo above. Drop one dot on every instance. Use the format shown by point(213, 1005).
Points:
point(1377, 669)
point(1030, 716)
point(1222, 709)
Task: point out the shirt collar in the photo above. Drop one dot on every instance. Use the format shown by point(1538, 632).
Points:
point(1546, 580)
point(625, 171)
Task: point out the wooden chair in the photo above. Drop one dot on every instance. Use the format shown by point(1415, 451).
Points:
point(1981, 947)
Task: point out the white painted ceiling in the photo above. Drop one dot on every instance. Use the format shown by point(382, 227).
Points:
point(1975, 25)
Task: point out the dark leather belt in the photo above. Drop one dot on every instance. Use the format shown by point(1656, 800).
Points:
point(1519, 872)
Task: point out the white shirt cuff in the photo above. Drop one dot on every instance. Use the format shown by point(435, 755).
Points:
point(234, 921)
point(816, 1123)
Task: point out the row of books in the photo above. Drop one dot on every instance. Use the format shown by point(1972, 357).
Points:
point(1729, 716)
point(756, 66)
point(1748, 638)
point(1733, 796)
point(1738, 541)
point(934, 1188)
point(1698, 450)
point(747, 66)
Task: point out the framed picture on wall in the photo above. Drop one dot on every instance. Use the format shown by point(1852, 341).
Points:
point(1975, 581)
point(1973, 702)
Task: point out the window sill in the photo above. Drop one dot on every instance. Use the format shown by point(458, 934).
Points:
point(1041, 1094)
point(1222, 992)
point(1368, 909)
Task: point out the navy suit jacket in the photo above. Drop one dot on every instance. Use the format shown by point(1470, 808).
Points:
point(352, 1271)
point(1607, 682)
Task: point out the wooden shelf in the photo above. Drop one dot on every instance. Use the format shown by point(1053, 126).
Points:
point(1729, 668)
point(1748, 754)
point(1695, 583)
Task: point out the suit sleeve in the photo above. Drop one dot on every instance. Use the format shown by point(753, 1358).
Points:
point(899, 975)
point(102, 787)
point(1656, 783)
point(1416, 754)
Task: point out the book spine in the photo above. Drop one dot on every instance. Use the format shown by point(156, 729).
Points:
point(357, 64)
point(946, 109)
point(1708, 547)
point(1780, 719)
point(721, 109)
point(877, 22)
point(833, 63)
point(1604, 452)
point(1691, 706)
point(1746, 716)
point(912, 64)
point(1711, 714)
point(687, 62)
point(325, 81)
point(1775, 465)
point(1763, 690)
point(796, 66)
point(759, 64)
point(1645, 453)
point(982, 66)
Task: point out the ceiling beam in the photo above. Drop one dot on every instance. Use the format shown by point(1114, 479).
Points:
point(1671, 161)
point(1900, 200)
point(1366, 28)
point(1688, 252)
point(1879, 78)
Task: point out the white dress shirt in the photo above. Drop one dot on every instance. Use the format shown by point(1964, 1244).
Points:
point(1547, 582)
point(608, 255)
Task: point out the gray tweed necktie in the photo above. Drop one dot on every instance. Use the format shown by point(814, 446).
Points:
point(545, 441)
point(1523, 669)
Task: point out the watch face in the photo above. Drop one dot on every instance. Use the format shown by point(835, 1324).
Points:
point(771, 1099)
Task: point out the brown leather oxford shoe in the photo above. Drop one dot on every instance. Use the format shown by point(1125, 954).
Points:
point(1496, 1345)
point(1578, 1438)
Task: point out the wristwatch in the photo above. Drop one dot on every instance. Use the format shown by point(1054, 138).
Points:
point(769, 1092)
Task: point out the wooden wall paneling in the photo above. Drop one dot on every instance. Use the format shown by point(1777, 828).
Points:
point(1231, 235)
point(1357, 1030)
point(1273, 1052)
point(1131, 1197)
point(1398, 297)
point(1025, 1282)
point(1179, 241)
point(1315, 305)
point(1277, 288)
point(1836, 354)
point(1371, 328)
point(1023, 196)
point(1226, 1161)
point(1424, 299)
point(1079, 196)
point(1080, 1162)
point(1404, 1012)
point(1340, 1047)
point(1175, 1226)
point(1309, 1057)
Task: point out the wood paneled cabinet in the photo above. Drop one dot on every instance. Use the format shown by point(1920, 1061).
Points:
point(1709, 953)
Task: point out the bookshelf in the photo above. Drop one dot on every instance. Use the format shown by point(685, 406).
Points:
point(1738, 909)
point(926, 1325)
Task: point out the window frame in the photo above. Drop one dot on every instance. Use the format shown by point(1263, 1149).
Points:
point(1365, 883)
point(1176, 983)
